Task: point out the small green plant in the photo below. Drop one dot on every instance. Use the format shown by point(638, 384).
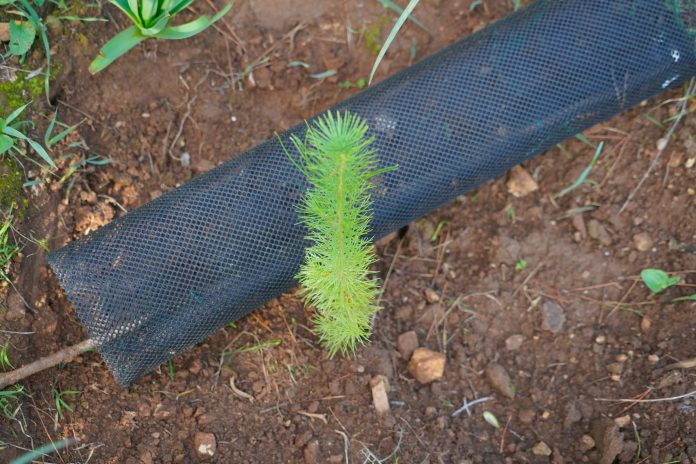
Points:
point(61, 404)
point(405, 14)
point(150, 21)
point(7, 248)
point(23, 33)
point(583, 175)
point(9, 401)
point(658, 281)
point(5, 363)
point(337, 159)
point(521, 265)
point(41, 452)
point(10, 136)
point(360, 83)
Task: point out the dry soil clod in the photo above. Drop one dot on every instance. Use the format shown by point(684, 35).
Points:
point(426, 366)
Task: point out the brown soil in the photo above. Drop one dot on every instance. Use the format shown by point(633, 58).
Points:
point(556, 328)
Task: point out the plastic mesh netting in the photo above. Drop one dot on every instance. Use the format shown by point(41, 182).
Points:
point(165, 276)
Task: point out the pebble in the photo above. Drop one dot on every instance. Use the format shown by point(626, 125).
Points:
point(407, 343)
point(598, 232)
point(623, 421)
point(311, 452)
point(514, 342)
point(615, 368)
point(520, 183)
point(380, 386)
point(608, 439)
point(185, 159)
point(541, 449)
point(426, 366)
point(553, 317)
point(15, 307)
point(642, 241)
point(431, 296)
point(500, 380)
point(205, 445)
point(600, 340)
point(645, 324)
point(579, 224)
point(653, 358)
point(587, 443)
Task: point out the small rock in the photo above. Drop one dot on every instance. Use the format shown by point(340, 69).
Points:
point(608, 439)
point(587, 443)
point(623, 421)
point(615, 368)
point(600, 340)
point(553, 317)
point(642, 241)
point(205, 445)
point(311, 451)
point(380, 400)
point(426, 365)
point(527, 416)
point(598, 232)
point(431, 296)
point(541, 449)
point(15, 307)
point(407, 343)
point(645, 324)
point(653, 358)
point(514, 342)
point(500, 380)
point(579, 224)
point(146, 458)
point(520, 182)
point(303, 439)
point(185, 159)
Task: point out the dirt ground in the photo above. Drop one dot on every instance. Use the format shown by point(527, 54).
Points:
point(546, 339)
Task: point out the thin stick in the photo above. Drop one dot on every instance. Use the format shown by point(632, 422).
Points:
point(63, 356)
point(656, 400)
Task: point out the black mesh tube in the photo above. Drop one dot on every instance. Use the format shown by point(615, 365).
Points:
point(163, 277)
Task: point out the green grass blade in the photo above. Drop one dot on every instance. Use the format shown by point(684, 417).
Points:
point(37, 148)
point(6, 142)
point(42, 451)
point(394, 7)
point(148, 10)
point(179, 6)
point(15, 113)
point(583, 176)
point(184, 31)
point(387, 43)
point(123, 6)
point(117, 46)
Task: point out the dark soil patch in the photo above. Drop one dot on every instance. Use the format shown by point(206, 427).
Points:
point(555, 327)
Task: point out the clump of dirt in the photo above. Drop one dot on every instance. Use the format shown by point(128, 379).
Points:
point(534, 301)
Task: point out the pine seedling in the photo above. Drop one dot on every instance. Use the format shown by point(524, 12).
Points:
point(340, 165)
